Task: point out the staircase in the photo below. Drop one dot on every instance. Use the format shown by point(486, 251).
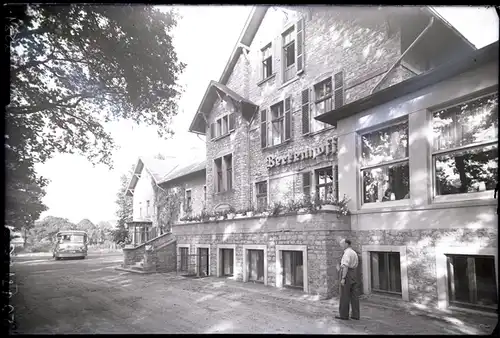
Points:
point(156, 255)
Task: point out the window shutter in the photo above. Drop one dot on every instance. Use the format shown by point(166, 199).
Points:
point(288, 118)
point(212, 130)
point(263, 128)
point(338, 82)
point(231, 121)
point(276, 48)
point(305, 112)
point(306, 184)
point(299, 49)
point(260, 66)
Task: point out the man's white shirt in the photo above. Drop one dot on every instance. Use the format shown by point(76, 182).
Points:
point(349, 259)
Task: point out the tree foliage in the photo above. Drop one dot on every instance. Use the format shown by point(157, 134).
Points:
point(168, 205)
point(125, 209)
point(74, 68)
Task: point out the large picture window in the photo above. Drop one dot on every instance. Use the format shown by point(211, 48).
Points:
point(465, 154)
point(384, 164)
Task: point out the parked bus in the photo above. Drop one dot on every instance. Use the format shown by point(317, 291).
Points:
point(71, 244)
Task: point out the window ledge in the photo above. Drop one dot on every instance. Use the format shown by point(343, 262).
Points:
point(384, 205)
point(223, 136)
point(474, 196)
point(222, 193)
point(261, 82)
point(277, 146)
point(434, 206)
point(289, 82)
point(318, 132)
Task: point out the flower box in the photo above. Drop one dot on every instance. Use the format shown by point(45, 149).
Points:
point(302, 211)
point(212, 219)
point(330, 207)
point(239, 216)
point(231, 216)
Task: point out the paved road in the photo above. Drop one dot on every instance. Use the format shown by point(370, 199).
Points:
point(90, 296)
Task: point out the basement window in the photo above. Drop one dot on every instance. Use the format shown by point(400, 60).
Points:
point(472, 281)
point(293, 269)
point(256, 265)
point(227, 262)
point(386, 272)
point(184, 258)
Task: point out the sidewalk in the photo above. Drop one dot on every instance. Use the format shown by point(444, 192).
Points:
point(378, 315)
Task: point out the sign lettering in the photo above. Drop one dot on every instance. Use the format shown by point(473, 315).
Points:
point(309, 153)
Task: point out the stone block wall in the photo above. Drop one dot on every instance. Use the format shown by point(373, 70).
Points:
point(320, 232)
point(421, 253)
point(164, 258)
point(133, 255)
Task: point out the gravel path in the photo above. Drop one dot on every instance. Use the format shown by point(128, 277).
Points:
point(89, 296)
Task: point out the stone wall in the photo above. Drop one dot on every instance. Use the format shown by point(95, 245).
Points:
point(321, 232)
point(363, 49)
point(164, 258)
point(421, 253)
point(133, 255)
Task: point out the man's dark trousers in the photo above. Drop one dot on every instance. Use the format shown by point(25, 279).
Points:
point(349, 293)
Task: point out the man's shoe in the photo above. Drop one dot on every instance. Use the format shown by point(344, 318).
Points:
point(343, 318)
point(356, 318)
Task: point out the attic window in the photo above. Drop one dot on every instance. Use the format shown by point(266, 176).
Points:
point(222, 126)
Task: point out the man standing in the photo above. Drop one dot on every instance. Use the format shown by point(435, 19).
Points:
point(348, 282)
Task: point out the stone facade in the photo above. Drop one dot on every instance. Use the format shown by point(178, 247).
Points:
point(320, 232)
point(364, 51)
point(421, 252)
point(194, 182)
point(418, 226)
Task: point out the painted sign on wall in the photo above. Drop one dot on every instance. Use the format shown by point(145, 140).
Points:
point(329, 148)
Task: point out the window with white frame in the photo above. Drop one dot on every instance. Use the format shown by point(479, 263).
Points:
point(267, 62)
point(289, 70)
point(223, 173)
point(384, 164)
point(276, 124)
point(261, 195)
point(465, 151)
point(326, 96)
point(324, 183)
point(222, 126)
point(323, 102)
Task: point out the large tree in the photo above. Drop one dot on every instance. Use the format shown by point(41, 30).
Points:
point(74, 68)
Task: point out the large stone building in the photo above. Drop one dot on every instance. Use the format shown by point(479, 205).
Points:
point(389, 113)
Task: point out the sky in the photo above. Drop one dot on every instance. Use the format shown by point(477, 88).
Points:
point(204, 39)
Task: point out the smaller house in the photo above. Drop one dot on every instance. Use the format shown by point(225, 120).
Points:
point(143, 187)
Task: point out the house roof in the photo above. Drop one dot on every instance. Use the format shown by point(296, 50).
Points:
point(182, 171)
point(155, 167)
point(448, 70)
point(215, 90)
point(245, 39)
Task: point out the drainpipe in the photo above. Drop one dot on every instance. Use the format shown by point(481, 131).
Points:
point(402, 55)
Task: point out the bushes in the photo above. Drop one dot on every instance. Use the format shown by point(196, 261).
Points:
point(39, 247)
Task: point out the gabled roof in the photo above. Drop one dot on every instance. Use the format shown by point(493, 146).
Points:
point(156, 168)
point(245, 39)
point(215, 90)
point(182, 171)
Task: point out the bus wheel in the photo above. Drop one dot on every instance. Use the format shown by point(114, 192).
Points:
point(57, 258)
